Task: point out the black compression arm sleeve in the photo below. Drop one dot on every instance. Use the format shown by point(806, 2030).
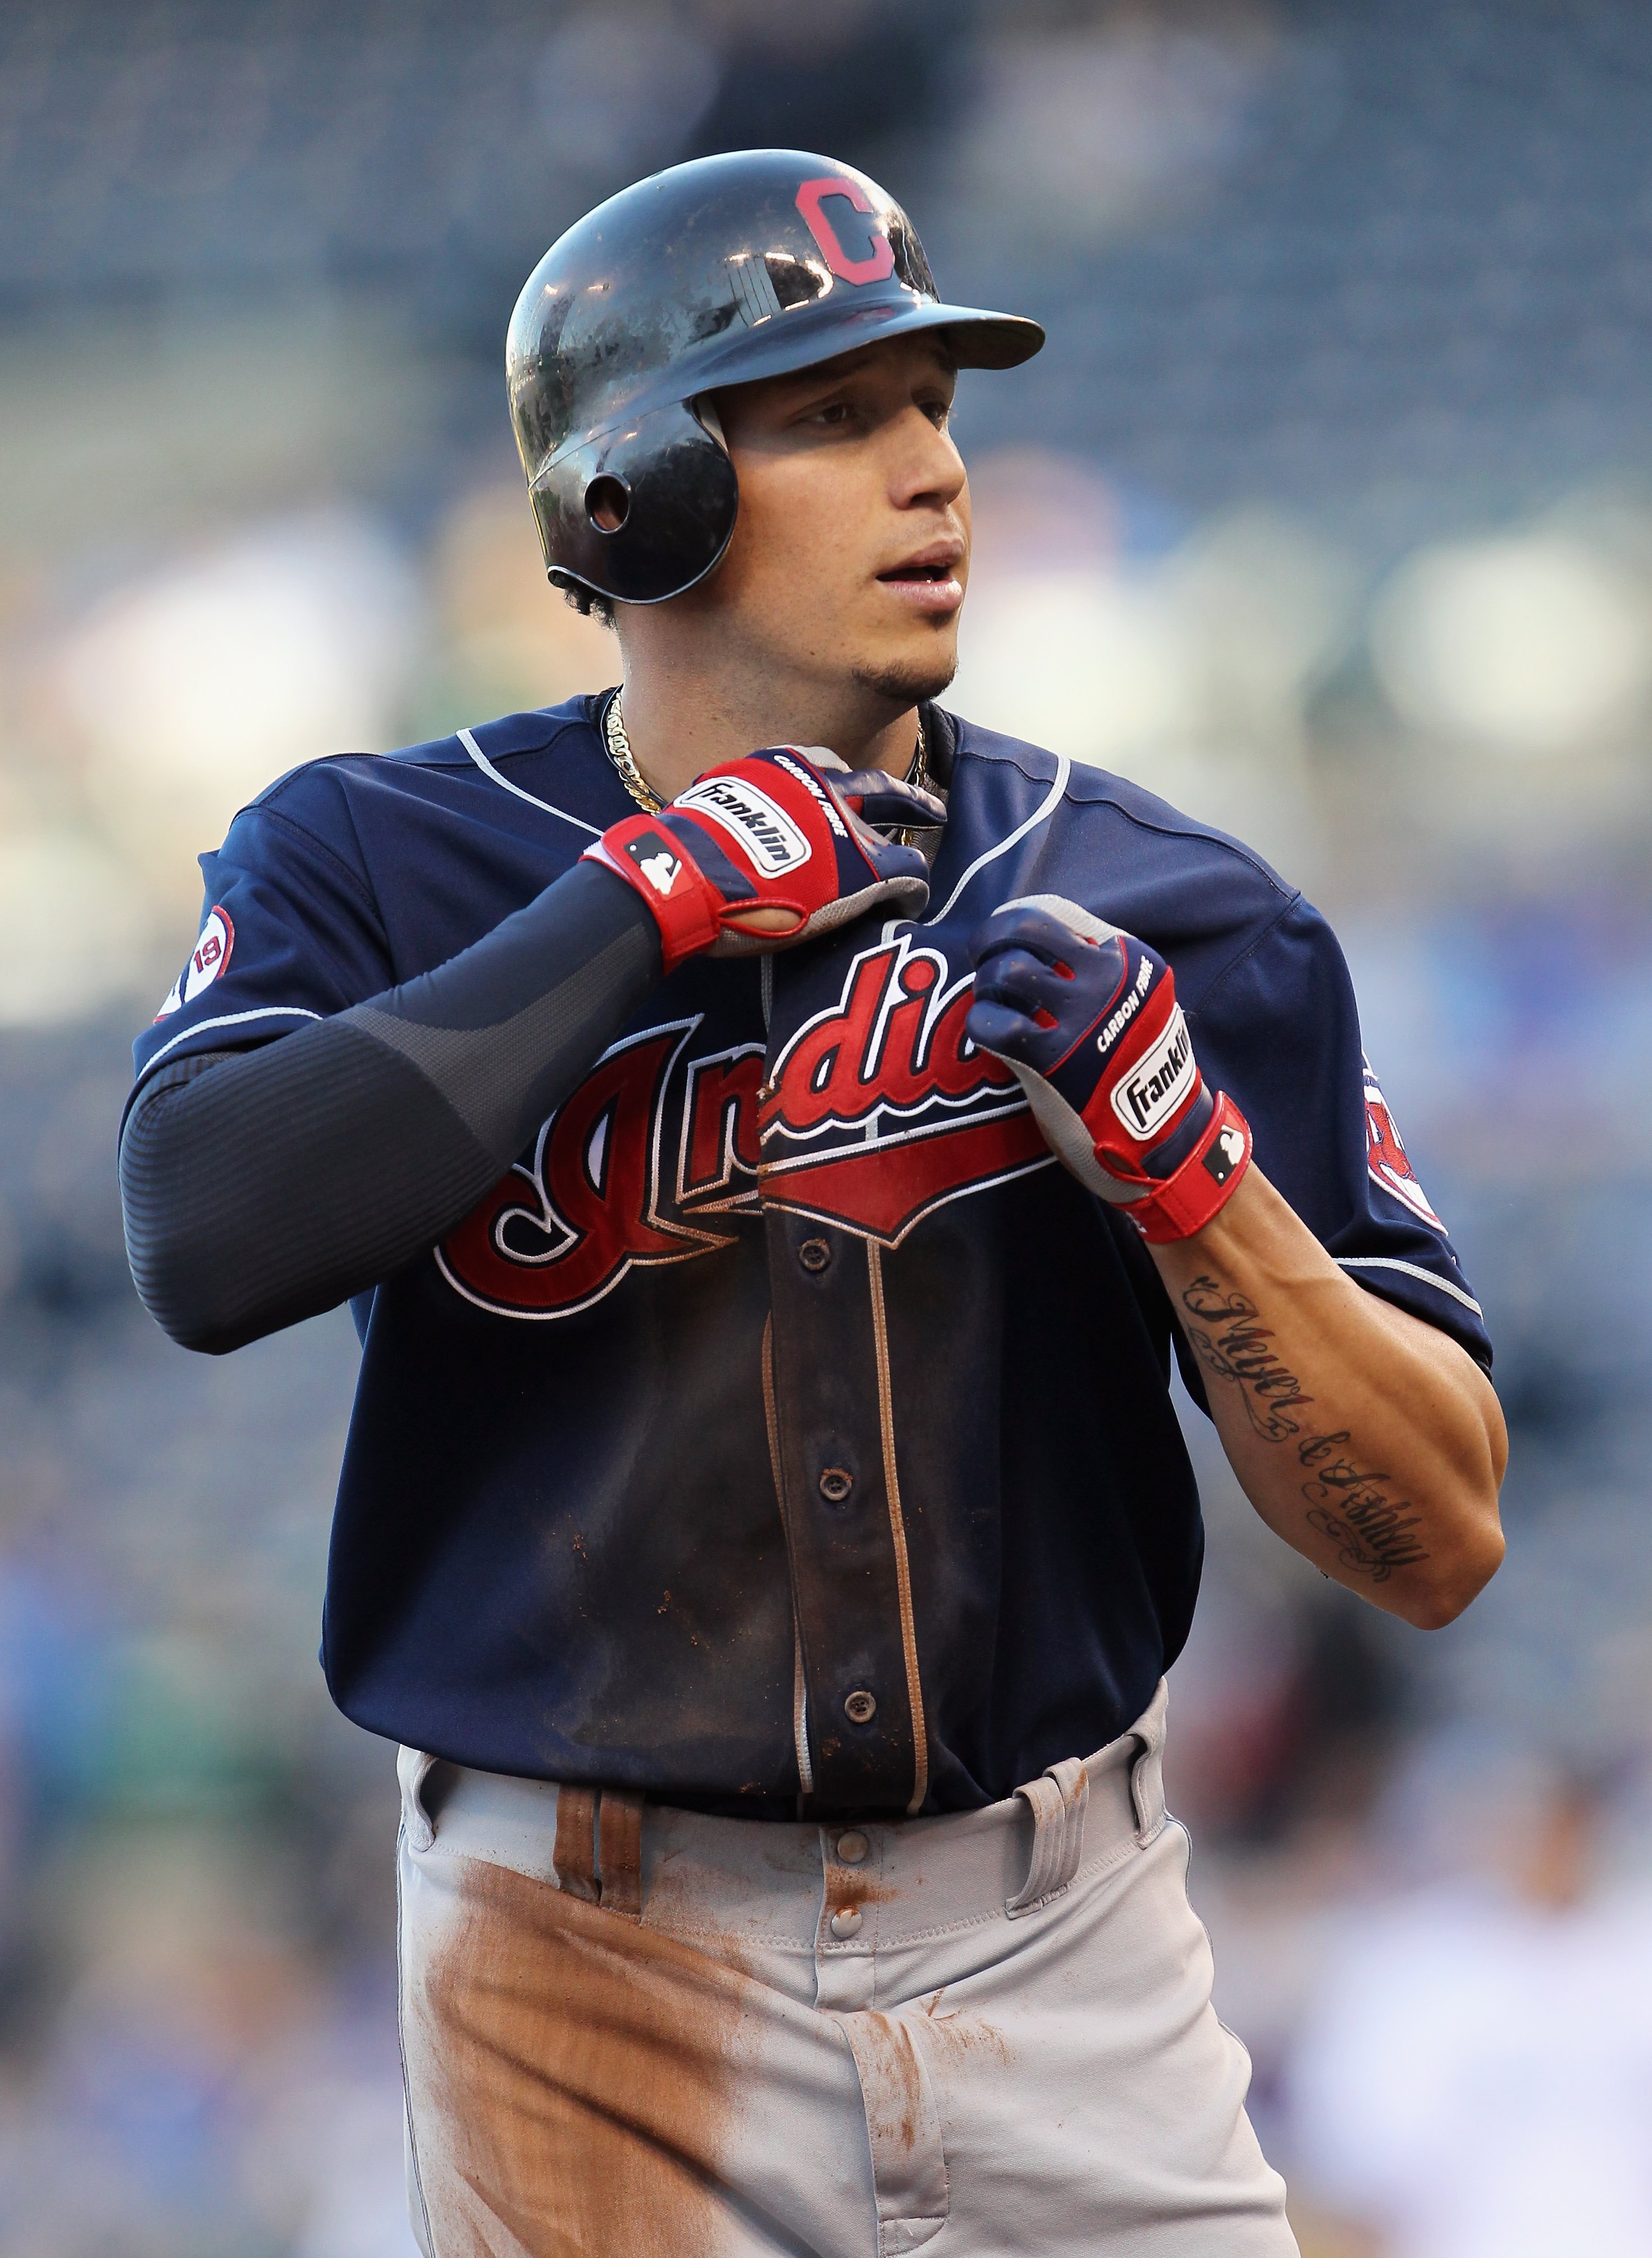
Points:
point(260, 1187)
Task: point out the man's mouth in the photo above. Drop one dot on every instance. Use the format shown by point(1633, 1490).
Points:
point(927, 581)
point(938, 561)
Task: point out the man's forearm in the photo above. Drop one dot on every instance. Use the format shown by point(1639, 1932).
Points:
point(1368, 1440)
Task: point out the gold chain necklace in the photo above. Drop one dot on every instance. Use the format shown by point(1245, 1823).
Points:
point(918, 774)
point(619, 748)
point(623, 758)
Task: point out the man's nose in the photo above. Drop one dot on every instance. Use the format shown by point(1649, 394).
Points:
point(928, 467)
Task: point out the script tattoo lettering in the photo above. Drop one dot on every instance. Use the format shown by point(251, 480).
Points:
point(1237, 1348)
point(1373, 1533)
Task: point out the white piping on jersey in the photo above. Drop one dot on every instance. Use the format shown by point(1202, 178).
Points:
point(800, 1711)
point(898, 1532)
point(505, 784)
point(1046, 808)
point(799, 1683)
point(229, 1019)
point(1412, 1270)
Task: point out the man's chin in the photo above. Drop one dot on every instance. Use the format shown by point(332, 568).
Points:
point(911, 681)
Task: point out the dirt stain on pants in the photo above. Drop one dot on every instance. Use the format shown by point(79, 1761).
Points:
point(569, 2079)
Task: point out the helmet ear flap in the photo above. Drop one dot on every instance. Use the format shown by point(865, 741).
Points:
point(642, 513)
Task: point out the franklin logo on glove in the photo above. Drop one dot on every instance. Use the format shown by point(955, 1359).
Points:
point(1087, 1018)
point(775, 845)
point(1150, 1096)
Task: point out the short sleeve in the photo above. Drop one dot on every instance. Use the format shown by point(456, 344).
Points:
point(1279, 1030)
point(289, 934)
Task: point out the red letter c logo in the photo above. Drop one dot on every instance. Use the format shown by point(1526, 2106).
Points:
point(874, 268)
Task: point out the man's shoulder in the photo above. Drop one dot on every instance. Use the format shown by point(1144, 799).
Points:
point(322, 795)
point(1121, 850)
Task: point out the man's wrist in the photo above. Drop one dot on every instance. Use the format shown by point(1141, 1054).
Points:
point(653, 862)
point(1203, 1184)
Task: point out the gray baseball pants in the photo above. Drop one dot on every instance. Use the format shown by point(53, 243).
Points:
point(633, 2032)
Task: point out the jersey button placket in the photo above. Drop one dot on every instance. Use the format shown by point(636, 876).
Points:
point(831, 1452)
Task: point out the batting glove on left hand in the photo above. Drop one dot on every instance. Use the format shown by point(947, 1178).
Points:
point(1087, 1018)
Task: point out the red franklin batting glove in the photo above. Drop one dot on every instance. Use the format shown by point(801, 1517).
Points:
point(780, 830)
point(1087, 1016)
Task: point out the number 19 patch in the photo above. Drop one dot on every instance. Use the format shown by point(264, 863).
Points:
point(210, 956)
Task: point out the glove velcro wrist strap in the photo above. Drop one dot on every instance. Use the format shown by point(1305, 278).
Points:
point(652, 860)
point(1203, 1184)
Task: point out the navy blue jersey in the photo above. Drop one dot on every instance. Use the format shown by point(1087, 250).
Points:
point(786, 1421)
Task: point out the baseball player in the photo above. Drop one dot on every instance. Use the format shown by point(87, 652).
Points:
point(773, 1134)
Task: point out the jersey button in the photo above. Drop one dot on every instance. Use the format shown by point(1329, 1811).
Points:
point(814, 1254)
point(861, 1707)
point(846, 1923)
point(851, 1848)
point(835, 1485)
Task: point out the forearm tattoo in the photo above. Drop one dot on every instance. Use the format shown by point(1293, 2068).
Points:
point(1373, 1533)
point(1237, 1348)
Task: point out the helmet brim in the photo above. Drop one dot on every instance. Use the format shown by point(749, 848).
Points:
point(977, 339)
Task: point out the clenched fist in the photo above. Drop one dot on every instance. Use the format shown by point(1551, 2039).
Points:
point(765, 852)
point(1087, 1017)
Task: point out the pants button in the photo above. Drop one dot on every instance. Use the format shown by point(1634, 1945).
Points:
point(852, 1847)
point(835, 1485)
point(861, 1707)
point(847, 1924)
point(814, 1254)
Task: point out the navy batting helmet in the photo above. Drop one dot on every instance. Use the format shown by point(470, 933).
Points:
point(715, 273)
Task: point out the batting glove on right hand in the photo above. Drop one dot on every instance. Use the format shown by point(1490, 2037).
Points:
point(783, 830)
point(1087, 1018)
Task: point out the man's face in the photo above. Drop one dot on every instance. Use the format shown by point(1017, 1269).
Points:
point(851, 551)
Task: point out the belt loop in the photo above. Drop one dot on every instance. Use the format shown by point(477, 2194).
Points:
point(619, 1822)
point(575, 1855)
point(413, 1768)
point(1147, 1773)
point(598, 1853)
point(1058, 1801)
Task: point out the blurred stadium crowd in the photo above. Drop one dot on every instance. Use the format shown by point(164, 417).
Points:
point(1327, 513)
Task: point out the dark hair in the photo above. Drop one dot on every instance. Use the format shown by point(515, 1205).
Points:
point(585, 601)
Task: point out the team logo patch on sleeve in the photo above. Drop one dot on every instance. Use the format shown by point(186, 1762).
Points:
point(1387, 1156)
point(210, 956)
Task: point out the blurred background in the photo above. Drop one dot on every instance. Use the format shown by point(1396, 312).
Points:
point(1327, 513)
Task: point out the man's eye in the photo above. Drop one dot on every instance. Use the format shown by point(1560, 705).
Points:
point(838, 412)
